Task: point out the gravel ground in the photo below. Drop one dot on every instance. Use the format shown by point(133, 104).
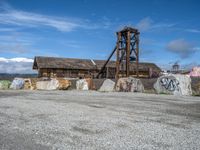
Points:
point(92, 120)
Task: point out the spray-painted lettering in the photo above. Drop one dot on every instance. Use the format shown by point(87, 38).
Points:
point(170, 84)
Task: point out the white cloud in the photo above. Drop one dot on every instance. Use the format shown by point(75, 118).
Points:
point(16, 65)
point(163, 25)
point(144, 24)
point(147, 24)
point(189, 66)
point(21, 18)
point(7, 29)
point(106, 22)
point(193, 30)
point(17, 59)
point(13, 48)
point(12, 16)
point(181, 47)
point(197, 48)
point(17, 43)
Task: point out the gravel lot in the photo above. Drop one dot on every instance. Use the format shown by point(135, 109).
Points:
point(92, 120)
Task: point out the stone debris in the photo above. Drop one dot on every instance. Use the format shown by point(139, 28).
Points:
point(129, 84)
point(175, 84)
point(17, 83)
point(107, 86)
point(4, 84)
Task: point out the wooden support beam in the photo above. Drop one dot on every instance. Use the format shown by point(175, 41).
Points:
point(104, 66)
point(128, 43)
point(137, 54)
point(117, 55)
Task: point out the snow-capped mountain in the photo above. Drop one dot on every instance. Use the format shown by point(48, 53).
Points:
point(16, 65)
point(17, 59)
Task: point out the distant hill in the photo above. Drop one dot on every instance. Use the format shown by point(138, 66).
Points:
point(6, 76)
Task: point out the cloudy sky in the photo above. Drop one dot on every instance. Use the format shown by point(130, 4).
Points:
point(170, 30)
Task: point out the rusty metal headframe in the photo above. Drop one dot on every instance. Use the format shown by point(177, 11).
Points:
point(127, 50)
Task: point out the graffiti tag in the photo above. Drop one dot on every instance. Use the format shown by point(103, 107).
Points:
point(170, 84)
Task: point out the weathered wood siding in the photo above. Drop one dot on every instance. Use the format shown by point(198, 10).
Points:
point(69, 73)
point(66, 73)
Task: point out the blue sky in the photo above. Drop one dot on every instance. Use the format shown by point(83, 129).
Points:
point(170, 29)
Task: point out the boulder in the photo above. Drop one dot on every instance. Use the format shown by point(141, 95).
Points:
point(4, 84)
point(17, 83)
point(82, 84)
point(107, 86)
point(175, 84)
point(129, 84)
point(195, 86)
point(52, 84)
point(98, 83)
point(85, 84)
point(33, 83)
point(90, 83)
point(64, 84)
point(28, 84)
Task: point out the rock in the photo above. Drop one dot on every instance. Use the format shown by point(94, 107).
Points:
point(90, 83)
point(175, 84)
point(107, 86)
point(196, 90)
point(42, 85)
point(52, 84)
point(28, 84)
point(85, 84)
point(98, 83)
point(4, 84)
point(82, 84)
point(195, 72)
point(18, 83)
point(33, 83)
point(64, 84)
point(195, 86)
point(129, 84)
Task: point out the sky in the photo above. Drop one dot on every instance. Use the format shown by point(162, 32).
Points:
point(169, 30)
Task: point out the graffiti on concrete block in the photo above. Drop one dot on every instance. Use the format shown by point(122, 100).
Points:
point(170, 84)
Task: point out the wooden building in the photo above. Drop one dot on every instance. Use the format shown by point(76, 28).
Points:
point(81, 68)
